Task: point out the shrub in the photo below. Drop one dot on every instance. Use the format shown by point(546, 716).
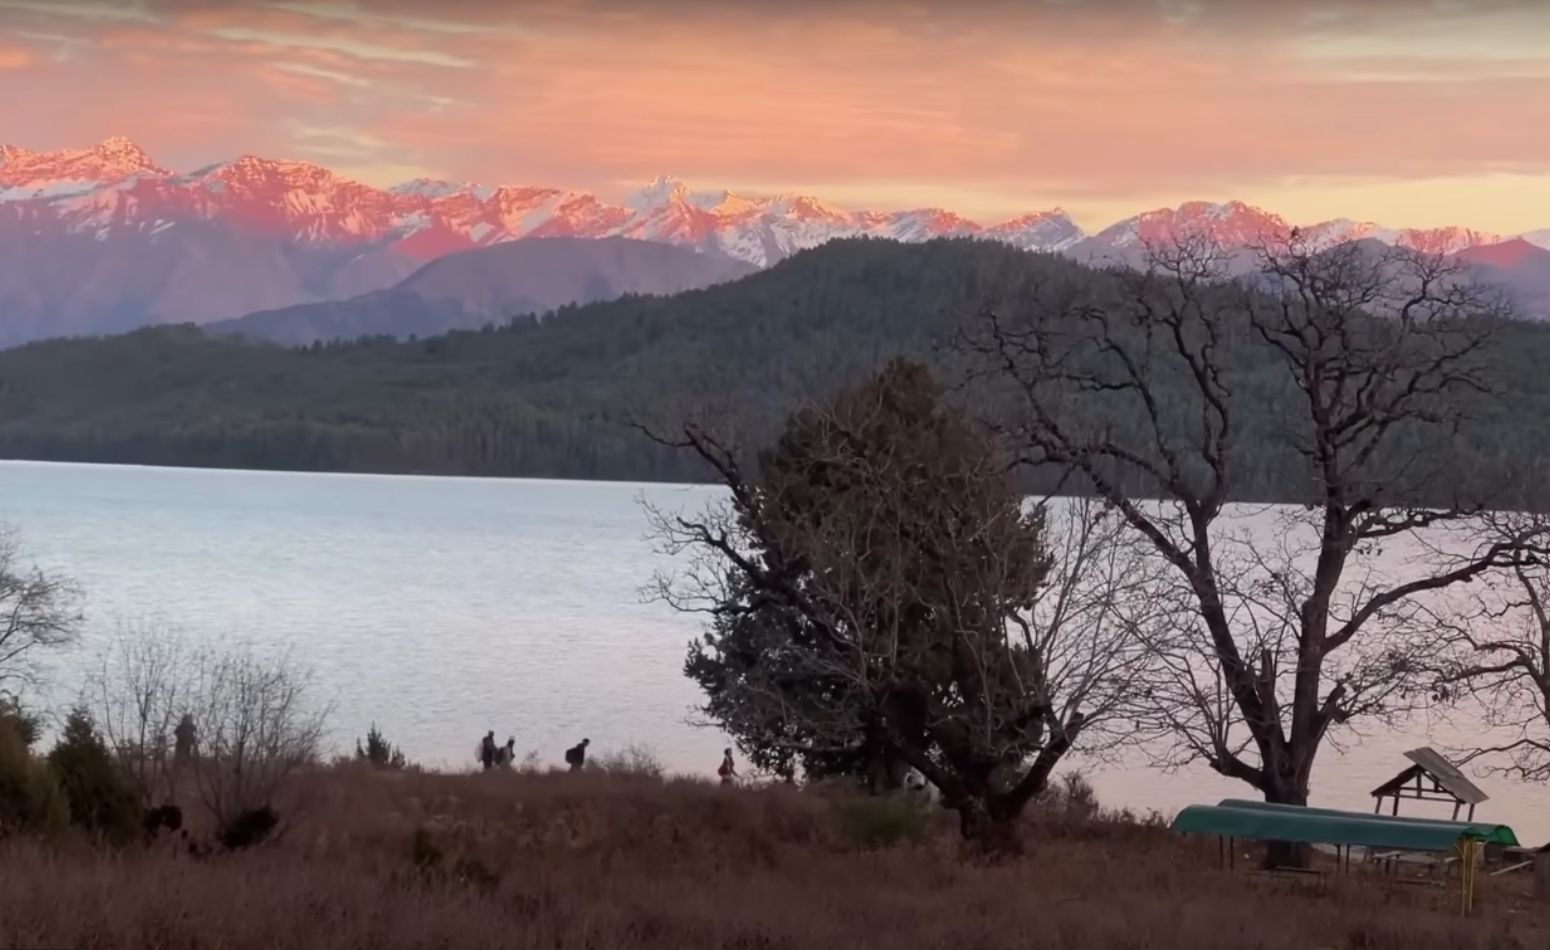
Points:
point(31, 800)
point(878, 823)
point(379, 751)
point(258, 725)
point(103, 802)
point(249, 828)
point(633, 760)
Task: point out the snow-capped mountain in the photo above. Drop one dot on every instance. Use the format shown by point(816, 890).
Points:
point(28, 174)
point(101, 239)
point(1539, 238)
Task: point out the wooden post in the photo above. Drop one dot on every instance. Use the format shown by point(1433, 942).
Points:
point(1542, 876)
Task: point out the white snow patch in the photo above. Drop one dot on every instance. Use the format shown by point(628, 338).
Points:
point(58, 189)
point(413, 221)
point(427, 188)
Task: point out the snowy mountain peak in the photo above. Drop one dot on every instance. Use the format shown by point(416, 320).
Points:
point(662, 190)
point(805, 206)
point(429, 188)
point(122, 150)
point(111, 160)
point(1231, 223)
point(1051, 230)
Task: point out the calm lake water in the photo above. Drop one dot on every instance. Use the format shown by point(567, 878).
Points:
point(443, 607)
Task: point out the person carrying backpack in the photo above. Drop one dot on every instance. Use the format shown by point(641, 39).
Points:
point(727, 771)
point(576, 755)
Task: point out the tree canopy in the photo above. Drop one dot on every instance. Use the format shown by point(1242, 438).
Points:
point(881, 594)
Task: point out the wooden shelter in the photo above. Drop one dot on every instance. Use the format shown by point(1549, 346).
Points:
point(1430, 778)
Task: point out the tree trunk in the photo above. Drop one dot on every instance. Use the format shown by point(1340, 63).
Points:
point(885, 771)
point(990, 834)
point(1287, 854)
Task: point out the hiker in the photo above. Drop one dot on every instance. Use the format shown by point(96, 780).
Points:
point(487, 750)
point(185, 735)
point(576, 755)
point(507, 753)
point(727, 771)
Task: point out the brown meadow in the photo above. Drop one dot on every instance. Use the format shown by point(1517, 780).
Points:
point(382, 858)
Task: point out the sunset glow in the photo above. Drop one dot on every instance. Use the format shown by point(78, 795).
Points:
point(1408, 112)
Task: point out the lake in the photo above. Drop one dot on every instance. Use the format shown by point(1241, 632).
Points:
point(439, 608)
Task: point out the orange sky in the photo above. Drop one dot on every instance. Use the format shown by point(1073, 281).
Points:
point(1408, 112)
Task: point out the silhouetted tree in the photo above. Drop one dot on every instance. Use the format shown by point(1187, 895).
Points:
point(1304, 629)
point(1498, 664)
point(379, 751)
point(37, 611)
point(103, 801)
point(878, 582)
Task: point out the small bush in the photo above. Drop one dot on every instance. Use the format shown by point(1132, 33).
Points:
point(102, 801)
point(379, 751)
point(633, 760)
point(31, 800)
point(249, 829)
point(875, 824)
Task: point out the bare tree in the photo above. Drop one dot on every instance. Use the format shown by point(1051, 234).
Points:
point(37, 611)
point(143, 685)
point(1498, 665)
point(1138, 392)
point(259, 723)
point(879, 580)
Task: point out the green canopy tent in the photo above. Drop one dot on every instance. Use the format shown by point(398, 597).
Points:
point(1484, 832)
point(1258, 821)
point(1261, 821)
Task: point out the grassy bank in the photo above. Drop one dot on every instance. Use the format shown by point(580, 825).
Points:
point(380, 858)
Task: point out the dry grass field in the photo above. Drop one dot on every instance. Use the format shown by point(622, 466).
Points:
point(386, 859)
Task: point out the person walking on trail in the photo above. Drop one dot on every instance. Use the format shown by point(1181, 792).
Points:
point(487, 750)
point(727, 771)
point(507, 753)
point(576, 755)
point(186, 736)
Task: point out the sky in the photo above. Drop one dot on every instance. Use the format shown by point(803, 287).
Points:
point(1405, 112)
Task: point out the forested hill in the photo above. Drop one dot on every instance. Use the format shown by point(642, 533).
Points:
point(551, 397)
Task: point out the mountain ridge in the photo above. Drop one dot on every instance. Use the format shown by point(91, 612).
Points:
point(137, 236)
point(302, 195)
point(468, 289)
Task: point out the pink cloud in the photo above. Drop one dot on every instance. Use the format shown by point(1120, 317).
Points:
point(1086, 103)
point(16, 57)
